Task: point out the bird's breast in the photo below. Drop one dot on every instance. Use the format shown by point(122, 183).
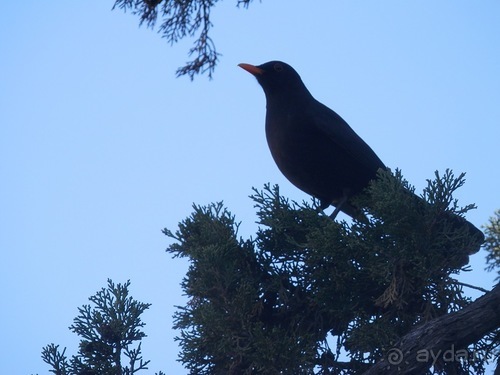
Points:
point(308, 157)
point(292, 143)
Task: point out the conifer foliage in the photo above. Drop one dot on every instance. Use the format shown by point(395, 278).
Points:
point(492, 243)
point(110, 330)
point(309, 295)
point(178, 20)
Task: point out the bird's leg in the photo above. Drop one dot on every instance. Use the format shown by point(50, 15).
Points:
point(338, 206)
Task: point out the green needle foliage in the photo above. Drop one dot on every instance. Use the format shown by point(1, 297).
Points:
point(492, 243)
point(110, 331)
point(309, 295)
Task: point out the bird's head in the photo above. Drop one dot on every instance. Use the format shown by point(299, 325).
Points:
point(277, 79)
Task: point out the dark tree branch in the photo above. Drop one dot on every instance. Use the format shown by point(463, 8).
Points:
point(180, 19)
point(472, 287)
point(456, 330)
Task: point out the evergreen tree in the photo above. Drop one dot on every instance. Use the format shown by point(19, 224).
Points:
point(312, 296)
point(110, 332)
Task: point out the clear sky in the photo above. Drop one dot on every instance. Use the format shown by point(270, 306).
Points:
point(101, 146)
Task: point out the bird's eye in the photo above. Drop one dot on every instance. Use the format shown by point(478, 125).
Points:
point(278, 67)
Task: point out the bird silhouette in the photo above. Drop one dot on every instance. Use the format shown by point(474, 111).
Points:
point(314, 147)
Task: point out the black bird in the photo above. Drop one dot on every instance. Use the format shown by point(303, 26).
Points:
point(313, 146)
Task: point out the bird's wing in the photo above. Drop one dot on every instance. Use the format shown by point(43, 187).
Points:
point(344, 138)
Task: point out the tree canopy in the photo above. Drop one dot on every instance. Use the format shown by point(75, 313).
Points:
point(110, 331)
point(310, 295)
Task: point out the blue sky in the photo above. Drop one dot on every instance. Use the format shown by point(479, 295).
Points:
point(101, 146)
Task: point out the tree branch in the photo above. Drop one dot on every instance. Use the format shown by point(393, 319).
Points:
point(419, 349)
point(472, 287)
point(180, 19)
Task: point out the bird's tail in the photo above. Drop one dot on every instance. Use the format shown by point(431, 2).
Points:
point(475, 235)
point(391, 199)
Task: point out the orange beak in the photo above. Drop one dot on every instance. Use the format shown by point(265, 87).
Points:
point(251, 69)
